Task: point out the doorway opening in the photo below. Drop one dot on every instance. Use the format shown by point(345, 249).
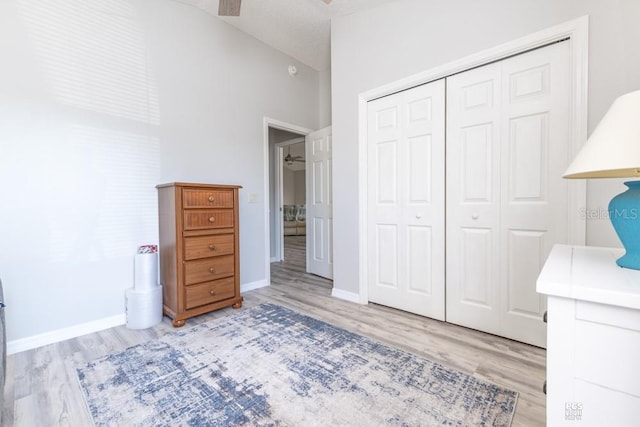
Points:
point(290, 197)
point(298, 172)
point(277, 136)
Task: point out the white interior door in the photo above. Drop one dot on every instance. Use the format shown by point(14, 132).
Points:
point(406, 200)
point(319, 215)
point(507, 147)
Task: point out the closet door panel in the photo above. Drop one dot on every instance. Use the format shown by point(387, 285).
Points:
point(473, 198)
point(476, 278)
point(535, 153)
point(385, 135)
point(405, 200)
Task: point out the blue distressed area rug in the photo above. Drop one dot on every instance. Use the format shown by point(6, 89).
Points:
point(271, 366)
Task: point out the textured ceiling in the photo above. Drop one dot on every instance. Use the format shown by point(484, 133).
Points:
point(299, 28)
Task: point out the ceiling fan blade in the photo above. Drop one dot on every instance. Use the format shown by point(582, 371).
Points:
point(229, 7)
point(288, 158)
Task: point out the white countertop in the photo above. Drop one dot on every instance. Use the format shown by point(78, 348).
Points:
point(589, 273)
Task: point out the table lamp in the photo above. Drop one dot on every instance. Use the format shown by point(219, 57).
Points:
point(613, 151)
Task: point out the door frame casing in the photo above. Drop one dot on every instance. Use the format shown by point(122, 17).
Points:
point(267, 123)
point(577, 32)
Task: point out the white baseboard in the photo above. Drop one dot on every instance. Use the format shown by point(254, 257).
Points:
point(245, 287)
point(346, 295)
point(35, 341)
point(275, 259)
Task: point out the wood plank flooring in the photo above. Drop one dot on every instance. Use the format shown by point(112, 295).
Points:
point(42, 388)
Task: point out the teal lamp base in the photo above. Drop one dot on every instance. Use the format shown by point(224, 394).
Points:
point(624, 212)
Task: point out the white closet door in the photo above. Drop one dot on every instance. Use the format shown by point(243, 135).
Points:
point(406, 200)
point(473, 198)
point(535, 154)
point(507, 147)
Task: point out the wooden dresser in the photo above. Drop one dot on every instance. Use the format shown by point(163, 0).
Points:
point(199, 249)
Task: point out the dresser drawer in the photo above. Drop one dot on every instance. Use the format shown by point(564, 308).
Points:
point(207, 199)
point(208, 246)
point(207, 269)
point(200, 219)
point(209, 292)
point(596, 342)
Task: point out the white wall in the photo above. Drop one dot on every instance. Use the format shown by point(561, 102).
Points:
point(288, 187)
point(398, 39)
point(324, 93)
point(293, 187)
point(300, 190)
point(101, 101)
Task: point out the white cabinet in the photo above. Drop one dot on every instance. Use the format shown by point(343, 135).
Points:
point(593, 338)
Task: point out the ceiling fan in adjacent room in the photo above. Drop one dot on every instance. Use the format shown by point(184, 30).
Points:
point(291, 159)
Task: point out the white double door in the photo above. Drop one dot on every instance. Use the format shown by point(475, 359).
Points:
point(490, 176)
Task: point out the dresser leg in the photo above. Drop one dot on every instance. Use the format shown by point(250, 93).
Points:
point(237, 305)
point(178, 323)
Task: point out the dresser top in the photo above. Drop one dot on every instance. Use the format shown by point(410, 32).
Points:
point(589, 273)
point(193, 184)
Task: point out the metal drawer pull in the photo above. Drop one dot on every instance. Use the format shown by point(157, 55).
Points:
point(212, 292)
point(212, 270)
point(212, 219)
point(212, 247)
point(212, 199)
point(544, 317)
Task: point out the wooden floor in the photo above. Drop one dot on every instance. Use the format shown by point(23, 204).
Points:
point(42, 389)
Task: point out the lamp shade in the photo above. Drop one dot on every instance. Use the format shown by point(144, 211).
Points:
point(613, 149)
